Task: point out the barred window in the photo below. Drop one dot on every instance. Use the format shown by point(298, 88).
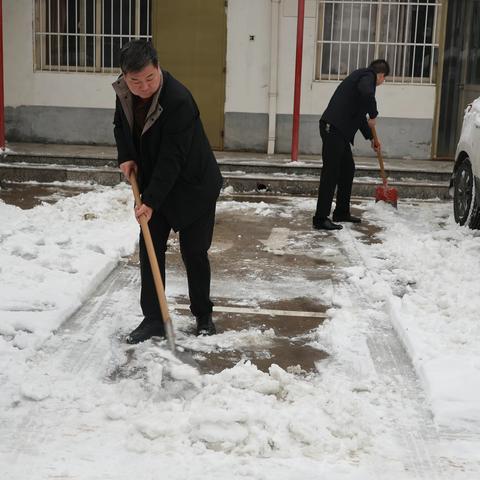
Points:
point(352, 33)
point(87, 35)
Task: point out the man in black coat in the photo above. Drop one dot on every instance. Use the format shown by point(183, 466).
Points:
point(159, 136)
point(346, 113)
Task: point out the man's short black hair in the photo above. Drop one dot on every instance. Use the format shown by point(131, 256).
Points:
point(136, 55)
point(380, 66)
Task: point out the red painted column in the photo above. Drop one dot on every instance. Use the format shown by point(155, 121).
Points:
point(2, 102)
point(298, 79)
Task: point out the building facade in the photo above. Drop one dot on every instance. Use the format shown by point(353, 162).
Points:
point(238, 58)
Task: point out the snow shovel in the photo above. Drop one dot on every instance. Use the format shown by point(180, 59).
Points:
point(382, 192)
point(157, 277)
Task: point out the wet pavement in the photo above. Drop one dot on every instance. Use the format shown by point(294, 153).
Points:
point(284, 276)
point(29, 195)
point(287, 348)
point(284, 282)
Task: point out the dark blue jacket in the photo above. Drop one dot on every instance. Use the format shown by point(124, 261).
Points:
point(353, 99)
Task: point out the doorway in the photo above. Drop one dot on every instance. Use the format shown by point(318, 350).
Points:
point(461, 71)
point(190, 37)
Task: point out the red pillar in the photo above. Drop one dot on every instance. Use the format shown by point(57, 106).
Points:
point(298, 79)
point(2, 102)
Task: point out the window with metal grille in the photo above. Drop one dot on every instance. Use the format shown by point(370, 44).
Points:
point(87, 35)
point(352, 33)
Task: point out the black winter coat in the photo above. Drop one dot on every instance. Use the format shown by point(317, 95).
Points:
point(352, 100)
point(178, 173)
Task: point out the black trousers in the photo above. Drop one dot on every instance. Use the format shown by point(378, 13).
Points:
point(337, 172)
point(195, 240)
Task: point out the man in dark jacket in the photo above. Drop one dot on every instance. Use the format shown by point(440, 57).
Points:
point(346, 113)
point(160, 137)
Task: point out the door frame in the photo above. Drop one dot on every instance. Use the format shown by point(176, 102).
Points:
point(439, 79)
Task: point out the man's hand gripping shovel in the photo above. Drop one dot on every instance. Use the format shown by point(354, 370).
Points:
point(157, 278)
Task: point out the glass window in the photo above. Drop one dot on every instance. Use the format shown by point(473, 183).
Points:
point(87, 35)
point(352, 33)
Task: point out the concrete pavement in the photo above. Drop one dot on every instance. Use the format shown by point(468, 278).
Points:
point(284, 275)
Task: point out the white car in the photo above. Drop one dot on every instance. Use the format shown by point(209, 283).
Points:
point(465, 181)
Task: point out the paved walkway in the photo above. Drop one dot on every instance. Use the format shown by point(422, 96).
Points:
point(282, 290)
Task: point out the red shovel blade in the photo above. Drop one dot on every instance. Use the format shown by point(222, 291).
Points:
point(385, 194)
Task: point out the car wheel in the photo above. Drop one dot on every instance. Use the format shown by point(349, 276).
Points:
point(464, 195)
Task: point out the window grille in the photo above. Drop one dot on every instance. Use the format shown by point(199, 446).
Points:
point(87, 35)
point(352, 33)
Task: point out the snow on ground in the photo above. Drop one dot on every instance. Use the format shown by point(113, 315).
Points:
point(427, 270)
point(53, 256)
point(78, 404)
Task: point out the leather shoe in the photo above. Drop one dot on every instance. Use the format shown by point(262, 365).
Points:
point(147, 329)
point(346, 218)
point(325, 224)
point(205, 326)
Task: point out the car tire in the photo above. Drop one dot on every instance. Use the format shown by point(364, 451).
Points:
point(474, 221)
point(465, 205)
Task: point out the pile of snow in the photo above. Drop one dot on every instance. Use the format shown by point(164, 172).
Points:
point(245, 412)
point(426, 269)
point(53, 256)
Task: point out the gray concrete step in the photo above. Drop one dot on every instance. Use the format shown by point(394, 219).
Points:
point(308, 185)
point(245, 172)
point(280, 183)
point(47, 173)
point(253, 166)
point(363, 168)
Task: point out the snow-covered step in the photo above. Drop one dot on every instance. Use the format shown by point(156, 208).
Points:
point(240, 181)
point(231, 163)
point(308, 185)
point(395, 172)
point(45, 173)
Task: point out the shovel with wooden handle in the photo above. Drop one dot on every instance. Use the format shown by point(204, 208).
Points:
point(152, 257)
point(383, 193)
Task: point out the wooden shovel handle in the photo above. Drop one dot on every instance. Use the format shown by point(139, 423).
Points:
point(379, 156)
point(152, 257)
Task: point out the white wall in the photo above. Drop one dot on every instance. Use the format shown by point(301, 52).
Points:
point(247, 82)
point(23, 86)
point(248, 61)
point(248, 66)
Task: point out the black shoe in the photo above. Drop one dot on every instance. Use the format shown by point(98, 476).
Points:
point(205, 326)
point(147, 329)
point(346, 218)
point(325, 224)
